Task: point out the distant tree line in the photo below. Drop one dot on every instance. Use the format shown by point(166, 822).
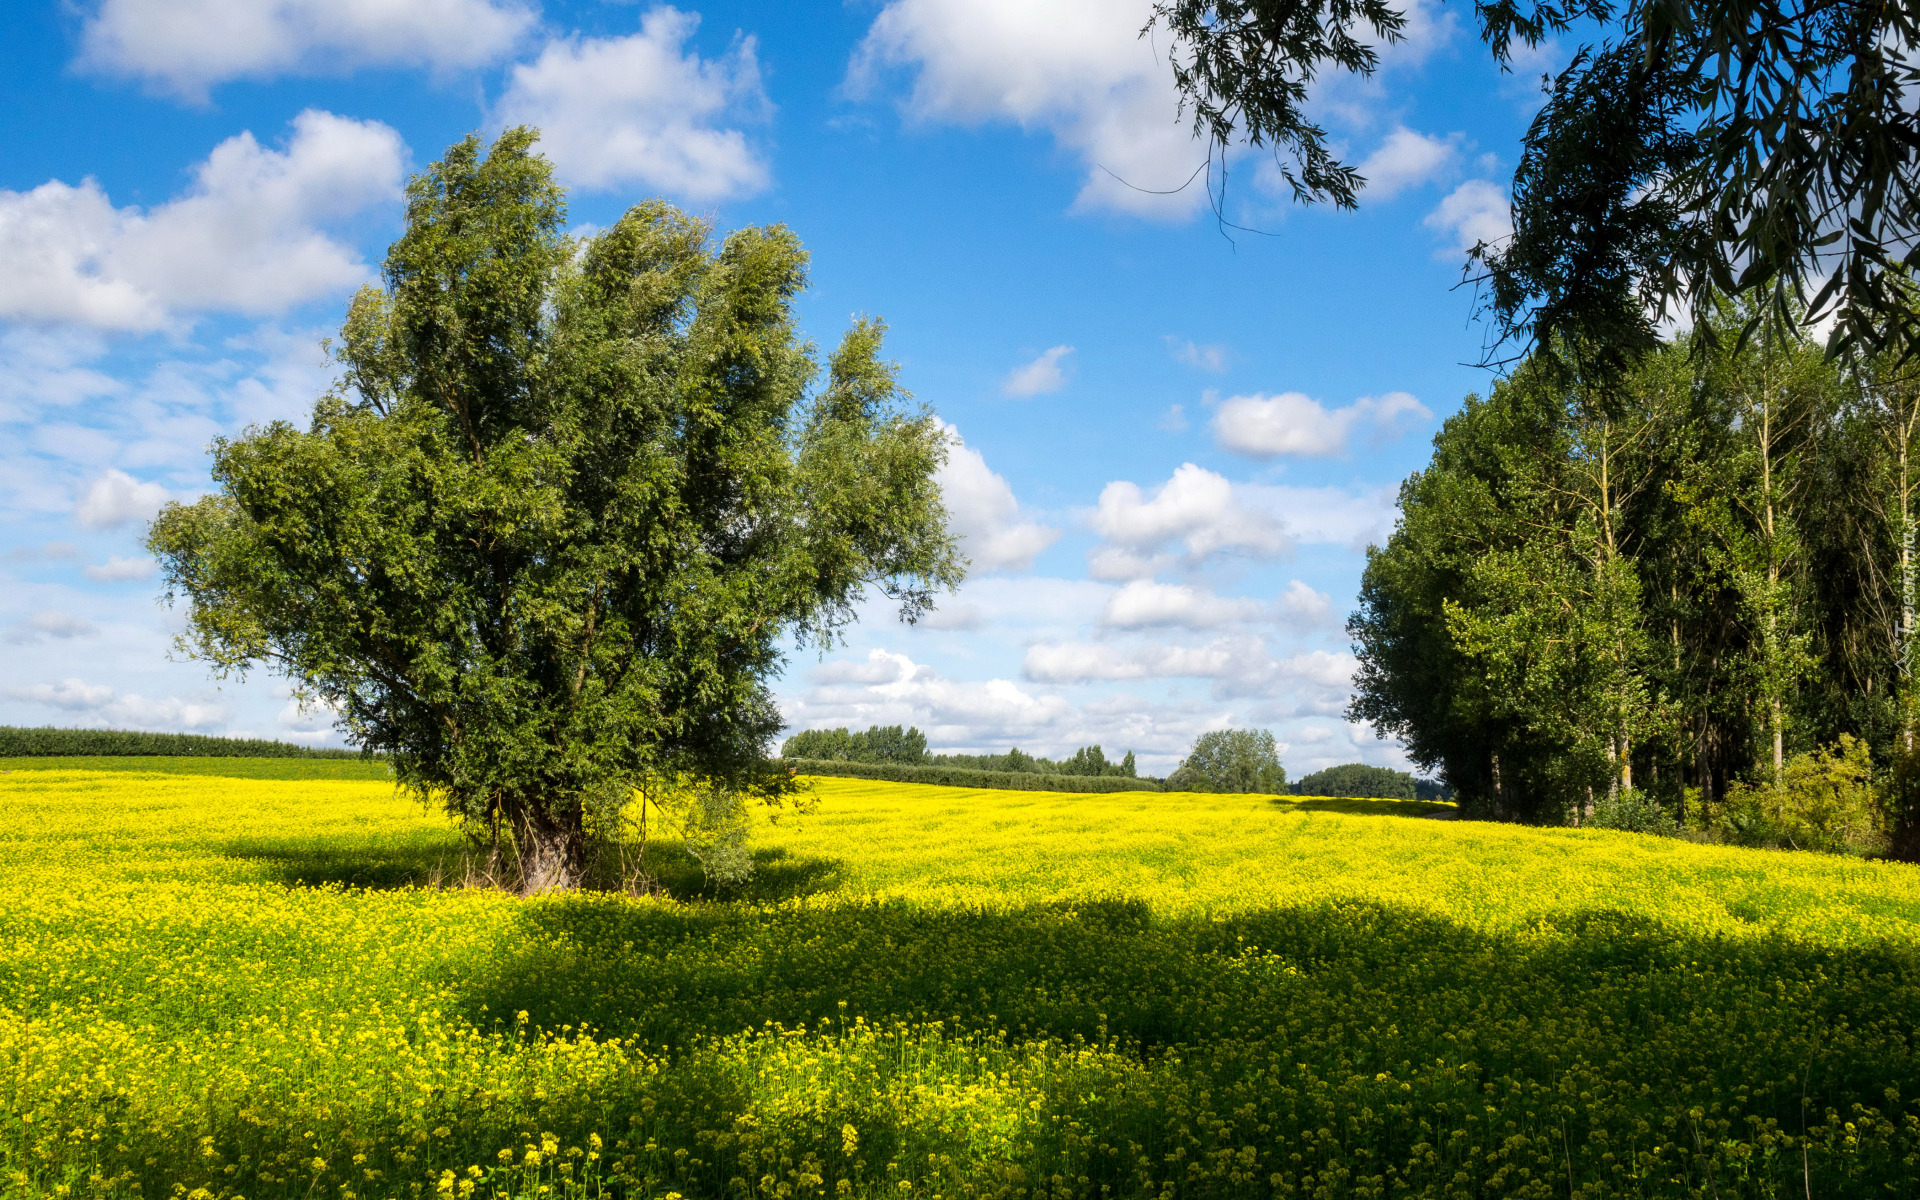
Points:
point(1361, 780)
point(48, 742)
point(1678, 596)
point(908, 747)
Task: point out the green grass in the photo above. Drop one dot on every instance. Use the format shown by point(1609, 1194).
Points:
point(218, 982)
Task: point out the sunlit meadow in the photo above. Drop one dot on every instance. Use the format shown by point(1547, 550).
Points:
point(242, 978)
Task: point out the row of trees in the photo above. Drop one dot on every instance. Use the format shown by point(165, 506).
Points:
point(908, 747)
point(1359, 779)
point(1665, 582)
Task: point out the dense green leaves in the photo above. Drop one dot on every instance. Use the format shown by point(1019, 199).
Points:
point(575, 493)
point(1358, 779)
point(1231, 760)
point(1671, 580)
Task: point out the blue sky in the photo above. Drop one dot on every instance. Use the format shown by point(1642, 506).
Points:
point(1176, 439)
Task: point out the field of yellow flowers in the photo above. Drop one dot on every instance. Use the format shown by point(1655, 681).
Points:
point(232, 978)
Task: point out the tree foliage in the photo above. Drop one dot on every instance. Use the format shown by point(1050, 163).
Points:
point(1231, 760)
point(892, 744)
point(1675, 582)
point(1694, 152)
point(1358, 779)
point(546, 540)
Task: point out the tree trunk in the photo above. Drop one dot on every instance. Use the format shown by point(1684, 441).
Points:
point(550, 849)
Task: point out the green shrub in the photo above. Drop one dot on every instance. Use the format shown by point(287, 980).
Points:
point(1823, 800)
point(48, 742)
point(968, 777)
point(1633, 811)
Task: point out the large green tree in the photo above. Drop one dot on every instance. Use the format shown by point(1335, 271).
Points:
point(547, 539)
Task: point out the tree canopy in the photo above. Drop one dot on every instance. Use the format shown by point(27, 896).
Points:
point(1676, 582)
point(1231, 760)
point(1692, 153)
point(547, 535)
point(1358, 779)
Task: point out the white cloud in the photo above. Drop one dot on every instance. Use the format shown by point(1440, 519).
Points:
point(1196, 509)
point(1237, 665)
point(1474, 212)
point(106, 707)
point(1144, 603)
point(245, 237)
point(119, 569)
point(50, 623)
point(71, 695)
point(1303, 607)
point(187, 46)
point(1077, 69)
point(1043, 374)
point(117, 498)
point(643, 110)
point(1174, 420)
point(982, 510)
point(890, 687)
point(1406, 159)
point(43, 370)
point(1327, 516)
point(1292, 423)
point(1211, 357)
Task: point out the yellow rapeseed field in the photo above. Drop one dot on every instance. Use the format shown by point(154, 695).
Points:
point(215, 985)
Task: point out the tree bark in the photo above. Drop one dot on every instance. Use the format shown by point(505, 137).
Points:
point(549, 848)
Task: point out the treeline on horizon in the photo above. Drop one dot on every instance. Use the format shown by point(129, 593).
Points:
point(1677, 596)
point(50, 742)
point(906, 747)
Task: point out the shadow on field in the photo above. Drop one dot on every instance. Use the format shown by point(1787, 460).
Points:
point(352, 863)
point(447, 862)
point(1147, 1055)
point(1605, 1049)
point(1358, 807)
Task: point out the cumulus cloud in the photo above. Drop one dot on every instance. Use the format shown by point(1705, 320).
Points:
point(1303, 607)
point(1407, 159)
point(644, 110)
point(1077, 69)
point(982, 510)
point(1327, 516)
point(119, 569)
point(246, 237)
point(1293, 423)
point(1474, 212)
point(888, 687)
point(47, 624)
point(187, 46)
point(1043, 374)
point(1196, 511)
point(1237, 665)
point(1144, 603)
point(103, 706)
point(117, 498)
